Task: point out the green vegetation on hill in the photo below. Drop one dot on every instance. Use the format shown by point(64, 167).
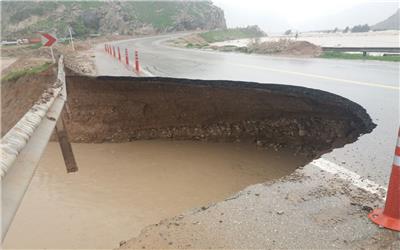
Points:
point(232, 34)
point(26, 10)
point(24, 18)
point(342, 55)
point(159, 14)
point(360, 28)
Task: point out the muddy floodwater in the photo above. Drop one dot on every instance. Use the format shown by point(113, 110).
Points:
point(122, 187)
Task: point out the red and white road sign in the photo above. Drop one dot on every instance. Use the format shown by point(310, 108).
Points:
point(50, 39)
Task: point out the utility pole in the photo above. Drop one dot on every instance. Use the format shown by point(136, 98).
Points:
point(70, 35)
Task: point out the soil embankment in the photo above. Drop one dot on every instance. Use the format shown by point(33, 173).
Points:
point(18, 96)
point(120, 109)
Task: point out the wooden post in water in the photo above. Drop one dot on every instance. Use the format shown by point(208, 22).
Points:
point(65, 145)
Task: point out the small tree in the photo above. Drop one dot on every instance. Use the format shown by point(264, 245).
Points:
point(346, 29)
point(360, 28)
point(288, 32)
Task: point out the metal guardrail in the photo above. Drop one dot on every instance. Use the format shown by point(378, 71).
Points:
point(22, 147)
point(363, 49)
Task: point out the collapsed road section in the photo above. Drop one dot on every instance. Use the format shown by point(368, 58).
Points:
point(306, 122)
point(120, 109)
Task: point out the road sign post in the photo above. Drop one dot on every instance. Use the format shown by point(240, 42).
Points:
point(70, 36)
point(52, 54)
point(50, 41)
point(66, 148)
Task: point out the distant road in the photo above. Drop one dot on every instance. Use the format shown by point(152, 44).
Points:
point(372, 84)
point(363, 39)
point(6, 61)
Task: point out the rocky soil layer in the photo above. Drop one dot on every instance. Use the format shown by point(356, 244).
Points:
point(119, 109)
point(281, 47)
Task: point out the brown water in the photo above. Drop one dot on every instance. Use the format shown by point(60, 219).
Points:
point(122, 187)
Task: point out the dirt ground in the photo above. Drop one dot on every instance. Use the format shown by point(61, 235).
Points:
point(79, 59)
point(283, 47)
point(305, 210)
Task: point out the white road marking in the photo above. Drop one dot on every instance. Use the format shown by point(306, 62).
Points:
point(370, 84)
point(350, 176)
point(396, 160)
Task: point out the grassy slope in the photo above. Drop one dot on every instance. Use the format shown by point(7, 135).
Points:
point(16, 74)
point(27, 9)
point(341, 55)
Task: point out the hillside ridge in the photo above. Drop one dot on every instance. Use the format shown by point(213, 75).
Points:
point(22, 18)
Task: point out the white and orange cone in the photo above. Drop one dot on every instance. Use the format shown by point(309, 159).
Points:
point(126, 57)
point(389, 217)
point(137, 69)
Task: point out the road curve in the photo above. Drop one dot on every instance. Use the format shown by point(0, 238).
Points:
point(372, 84)
point(321, 205)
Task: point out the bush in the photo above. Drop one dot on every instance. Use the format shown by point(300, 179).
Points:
point(231, 34)
point(360, 28)
point(288, 32)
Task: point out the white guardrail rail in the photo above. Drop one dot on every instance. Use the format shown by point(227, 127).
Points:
point(24, 144)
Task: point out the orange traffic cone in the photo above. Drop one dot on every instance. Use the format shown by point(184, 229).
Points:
point(389, 217)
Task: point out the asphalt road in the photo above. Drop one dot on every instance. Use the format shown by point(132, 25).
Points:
point(323, 205)
point(372, 84)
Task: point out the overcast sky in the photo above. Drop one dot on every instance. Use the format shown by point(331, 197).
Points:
point(303, 15)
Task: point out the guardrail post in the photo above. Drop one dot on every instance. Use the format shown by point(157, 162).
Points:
point(65, 145)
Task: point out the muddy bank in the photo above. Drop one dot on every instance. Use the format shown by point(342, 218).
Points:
point(96, 207)
point(120, 109)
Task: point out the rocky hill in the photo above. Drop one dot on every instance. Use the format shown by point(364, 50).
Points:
point(391, 23)
point(24, 18)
